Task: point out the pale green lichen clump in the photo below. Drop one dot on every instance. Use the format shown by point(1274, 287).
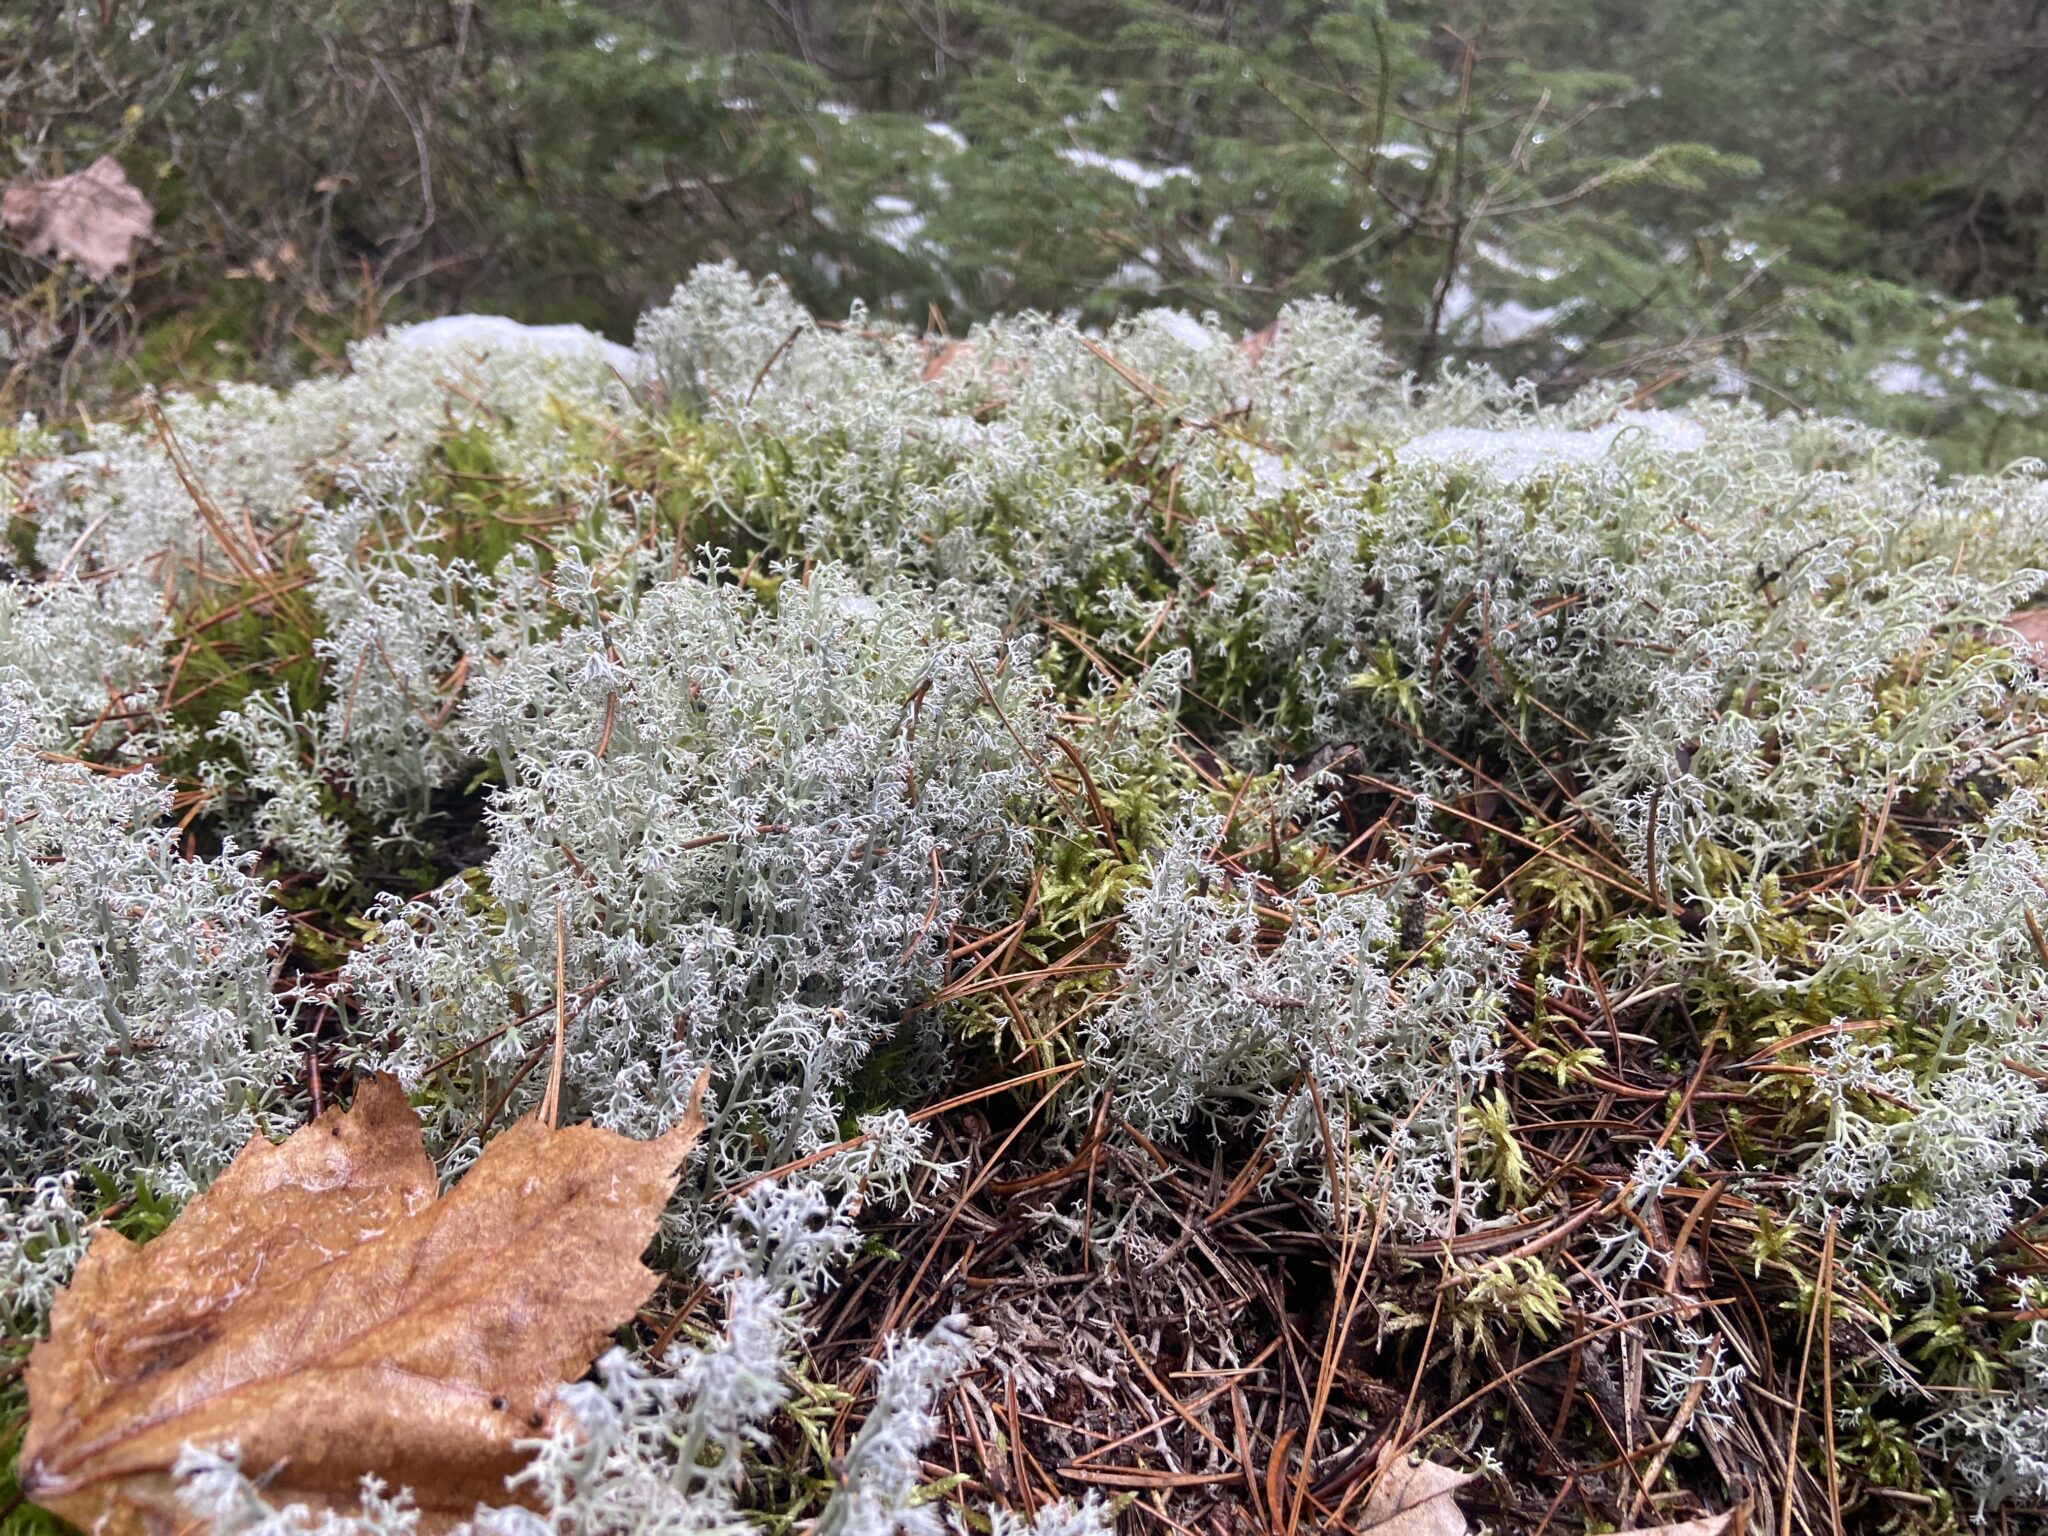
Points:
point(1701, 772)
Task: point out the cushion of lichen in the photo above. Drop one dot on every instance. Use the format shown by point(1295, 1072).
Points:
point(736, 694)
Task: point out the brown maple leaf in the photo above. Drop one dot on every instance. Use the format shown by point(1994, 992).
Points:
point(322, 1310)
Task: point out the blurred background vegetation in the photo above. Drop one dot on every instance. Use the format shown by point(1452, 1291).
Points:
point(1823, 205)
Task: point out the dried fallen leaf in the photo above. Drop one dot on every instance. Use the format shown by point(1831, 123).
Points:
point(1413, 1498)
point(320, 1308)
point(92, 217)
point(2031, 627)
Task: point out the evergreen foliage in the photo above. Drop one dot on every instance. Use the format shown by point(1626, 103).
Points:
point(1833, 207)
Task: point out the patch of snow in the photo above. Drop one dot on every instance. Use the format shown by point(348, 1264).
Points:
point(947, 132)
point(1496, 325)
point(1272, 475)
point(902, 228)
point(485, 334)
point(1509, 322)
point(1202, 259)
point(2027, 403)
point(1500, 256)
point(1184, 328)
point(1140, 176)
point(1729, 379)
point(1900, 378)
point(1518, 453)
point(1407, 154)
